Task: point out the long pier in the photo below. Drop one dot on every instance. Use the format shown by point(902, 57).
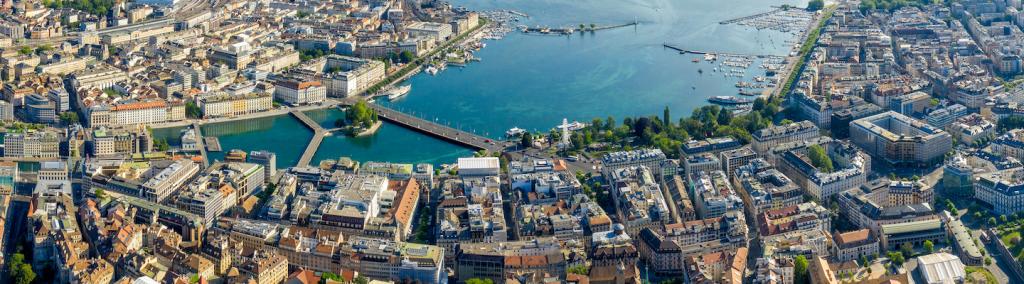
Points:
point(740, 19)
point(453, 135)
point(318, 137)
point(701, 52)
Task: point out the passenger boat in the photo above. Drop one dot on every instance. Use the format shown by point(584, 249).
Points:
point(398, 92)
point(728, 100)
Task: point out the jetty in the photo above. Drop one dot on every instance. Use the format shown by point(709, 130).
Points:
point(571, 30)
point(212, 144)
point(751, 17)
point(435, 129)
point(702, 52)
point(314, 144)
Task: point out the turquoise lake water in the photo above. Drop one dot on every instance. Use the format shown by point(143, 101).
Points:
point(534, 81)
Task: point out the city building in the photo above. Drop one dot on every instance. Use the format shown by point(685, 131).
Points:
point(1002, 190)
point(614, 258)
point(652, 159)
point(638, 198)
point(32, 144)
point(900, 140)
point(972, 129)
point(850, 168)
point(767, 138)
point(168, 180)
point(883, 202)
point(733, 159)
point(223, 104)
point(763, 187)
point(499, 261)
point(714, 196)
point(348, 76)
point(854, 245)
point(298, 91)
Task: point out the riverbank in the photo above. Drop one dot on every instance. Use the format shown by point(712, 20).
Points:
point(370, 131)
point(329, 103)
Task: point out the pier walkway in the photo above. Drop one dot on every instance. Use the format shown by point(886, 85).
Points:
point(201, 145)
point(700, 52)
point(434, 129)
point(318, 137)
point(740, 19)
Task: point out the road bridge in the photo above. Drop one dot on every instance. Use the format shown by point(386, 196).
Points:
point(435, 129)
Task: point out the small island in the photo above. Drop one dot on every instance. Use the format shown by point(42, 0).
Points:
point(360, 120)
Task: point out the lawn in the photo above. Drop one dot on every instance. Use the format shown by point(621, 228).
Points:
point(990, 279)
point(1006, 236)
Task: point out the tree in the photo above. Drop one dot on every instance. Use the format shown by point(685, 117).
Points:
point(361, 115)
point(819, 158)
point(896, 258)
point(666, 117)
point(864, 261)
point(361, 280)
point(527, 140)
point(20, 271)
point(1010, 122)
point(928, 246)
point(988, 261)
point(100, 193)
point(161, 145)
point(991, 221)
point(25, 50)
point(579, 269)
point(815, 5)
point(406, 56)
point(907, 249)
point(724, 117)
point(800, 274)
point(69, 117)
point(1003, 218)
point(192, 110)
point(479, 281)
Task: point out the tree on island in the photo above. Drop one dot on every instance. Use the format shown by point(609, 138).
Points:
point(819, 158)
point(815, 5)
point(361, 115)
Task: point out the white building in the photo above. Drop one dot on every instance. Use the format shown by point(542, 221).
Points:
point(296, 92)
point(168, 180)
point(940, 268)
point(222, 104)
point(479, 167)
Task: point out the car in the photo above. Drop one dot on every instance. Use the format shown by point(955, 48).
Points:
point(487, 140)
